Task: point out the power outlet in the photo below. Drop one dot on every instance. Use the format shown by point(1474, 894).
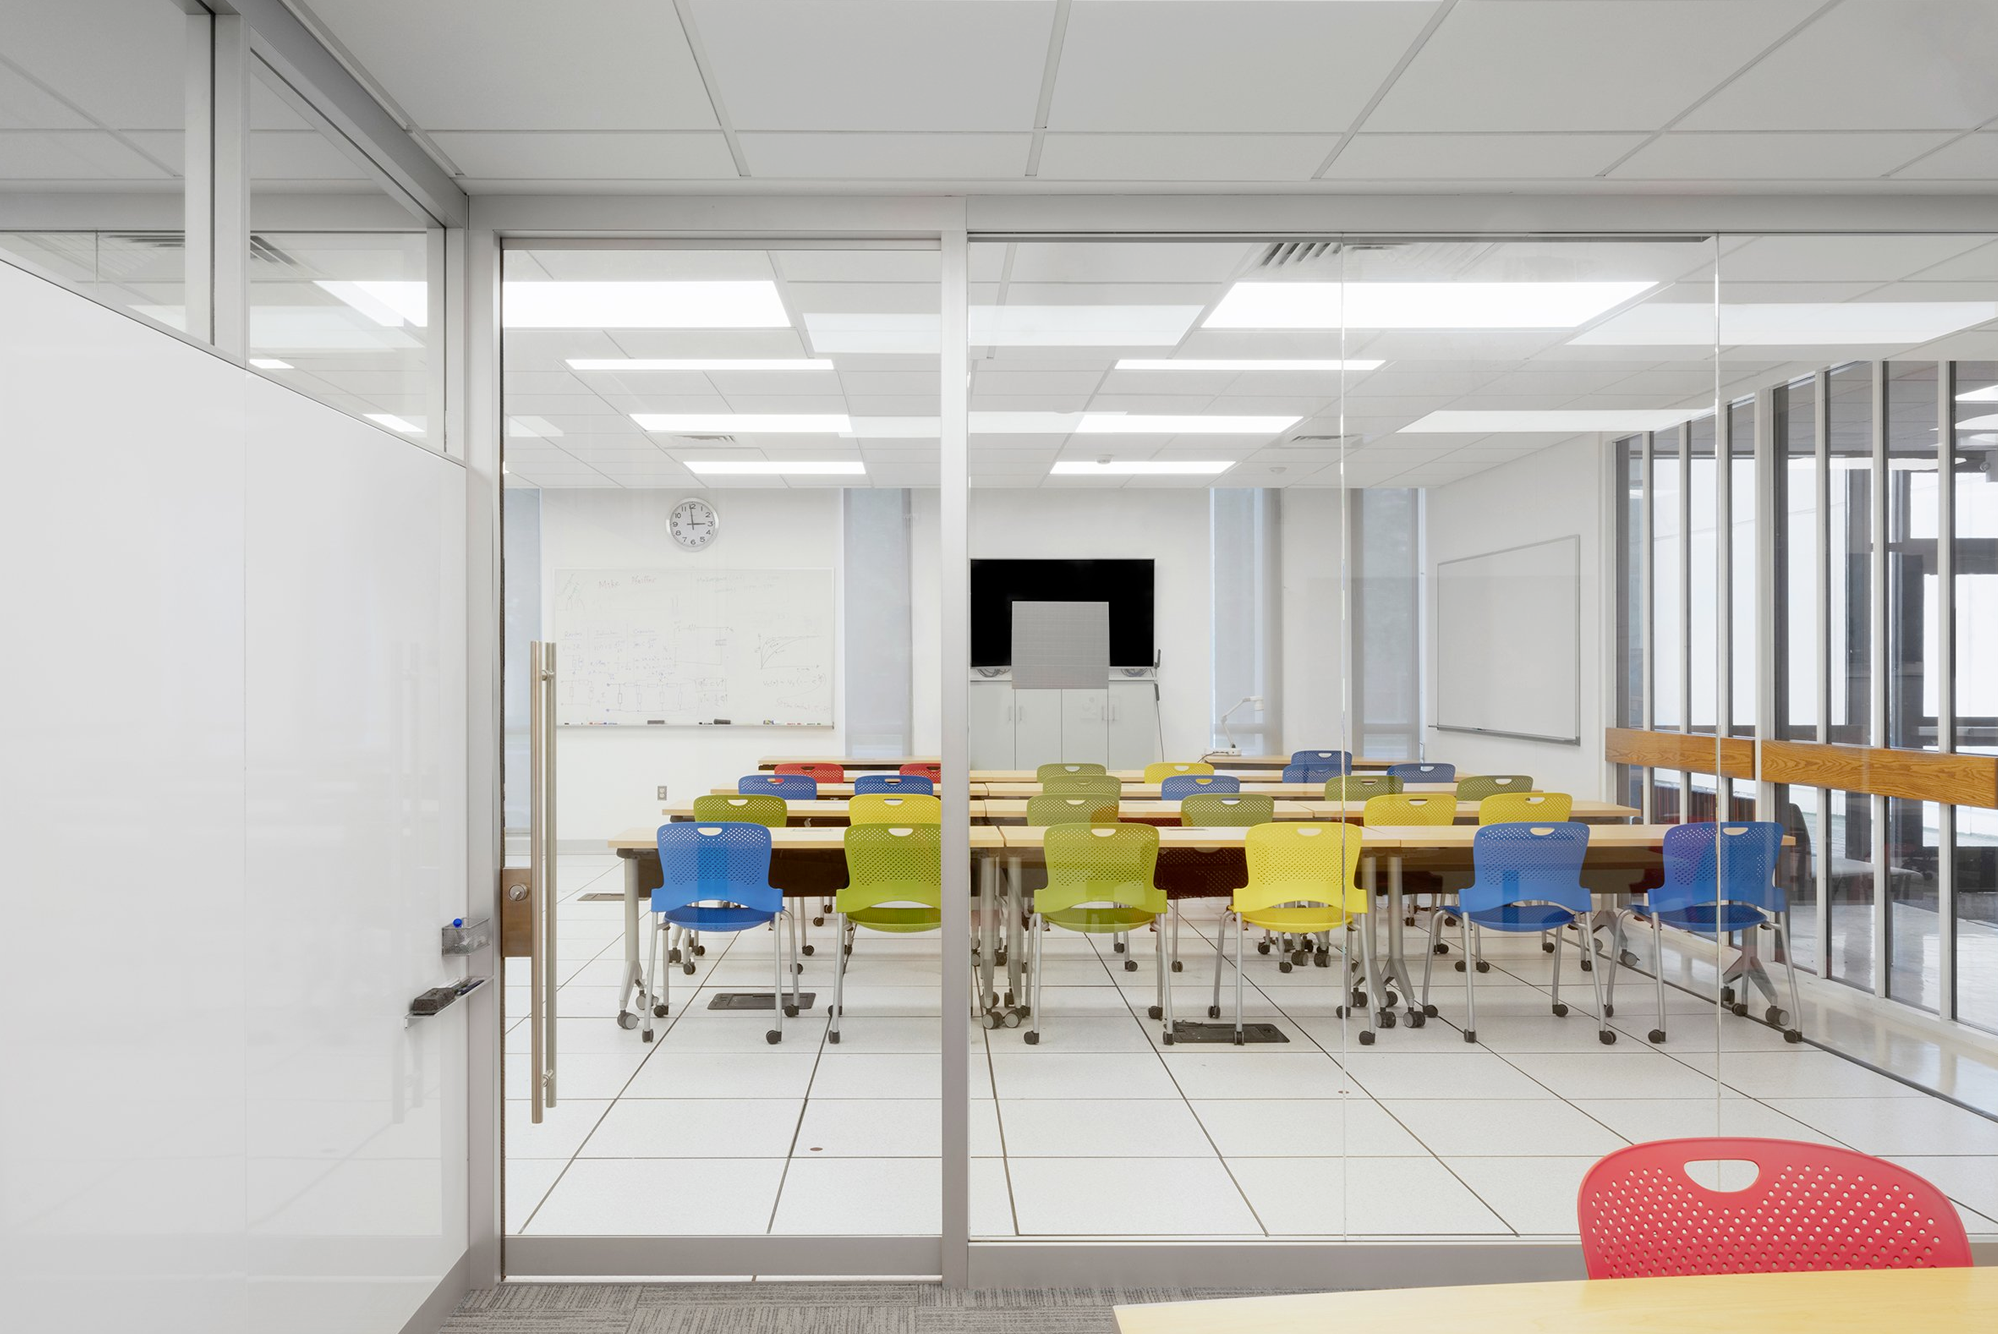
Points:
point(662, 792)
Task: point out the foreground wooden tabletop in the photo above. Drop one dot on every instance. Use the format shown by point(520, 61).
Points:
point(1933, 1301)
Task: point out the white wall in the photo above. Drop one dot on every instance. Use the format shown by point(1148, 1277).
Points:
point(234, 802)
point(608, 777)
point(1548, 494)
point(1316, 712)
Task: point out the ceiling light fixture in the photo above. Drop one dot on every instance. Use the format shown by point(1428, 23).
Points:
point(643, 305)
point(389, 304)
point(745, 423)
point(270, 364)
point(1004, 326)
point(1369, 305)
point(766, 468)
point(394, 423)
point(1786, 324)
point(1139, 468)
point(700, 364)
point(1242, 364)
point(1988, 394)
point(1573, 420)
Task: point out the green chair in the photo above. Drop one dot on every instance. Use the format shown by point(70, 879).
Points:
point(1047, 771)
point(1100, 883)
point(1085, 785)
point(894, 884)
point(1226, 810)
point(1479, 786)
point(1199, 872)
point(1053, 809)
point(1360, 787)
point(758, 808)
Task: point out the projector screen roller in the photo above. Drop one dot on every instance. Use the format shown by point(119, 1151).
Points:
point(1508, 642)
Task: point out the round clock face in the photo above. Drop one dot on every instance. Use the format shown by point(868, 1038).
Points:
point(694, 524)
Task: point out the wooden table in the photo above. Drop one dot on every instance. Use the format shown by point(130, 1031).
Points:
point(872, 763)
point(1931, 1301)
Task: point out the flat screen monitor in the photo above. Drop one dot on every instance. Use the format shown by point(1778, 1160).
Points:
point(1125, 584)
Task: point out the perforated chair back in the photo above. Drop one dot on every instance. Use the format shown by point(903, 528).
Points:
point(1226, 810)
point(1085, 785)
point(1360, 788)
point(818, 773)
point(1187, 785)
point(1728, 862)
point(770, 812)
point(1528, 863)
point(1513, 807)
point(909, 785)
point(1303, 862)
point(1311, 773)
point(1341, 760)
point(1479, 786)
point(894, 876)
point(1101, 864)
point(1811, 1206)
point(1410, 808)
point(1047, 771)
point(791, 787)
point(729, 862)
point(1053, 809)
point(886, 808)
point(933, 772)
point(1423, 773)
point(1158, 773)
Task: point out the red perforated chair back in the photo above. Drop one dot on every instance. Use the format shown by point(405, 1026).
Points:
point(823, 773)
point(1811, 1206)
point(933, 772)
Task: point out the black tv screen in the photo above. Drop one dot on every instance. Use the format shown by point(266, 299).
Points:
point(997, 584)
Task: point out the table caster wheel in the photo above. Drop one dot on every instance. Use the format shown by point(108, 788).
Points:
point(1213, 1012)
point(646, 1036)
point(790, 1012)
point(989, 1019)
point(1416, 1018)
point(1385, 1019)
point(1154, 1012)
point(673, 955)
point(808, 949)
point(1033, 1037)
point(1166, 1038)
point(1359, 999)
point(1656, 1035)
point(833, 1038)
point(1609, 1011)
point(1793, 1035)
point(659, 1011)
point(1321, 960)
point(1240, 1040)
point(1262, 947)
point(1560, 1010)
point(1178, 967)
point(626, 1019)
point(1429, 1010)
point(774, 1036)
point(687, 968)
point(1727, 995)
point(1284, 967)
point(1607, 1038)
point(700, 951)
point(1130, 965)
point(1390, 999)
point(1366, 1037)
point(1739, 1009)
point(1470, 1035)
point(1777, 1016)
point(1011, 1019)
point(1449, 921)
point(1628, 959)
point(1118, 946)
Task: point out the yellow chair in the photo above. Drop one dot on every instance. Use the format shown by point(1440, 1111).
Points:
point(1300, 883)
point(755, 808)
point(1394, 808)
point(1158, 773)
point(1526, 807)
point(1061, 770)
point(881, 808)
point(1359, 787)
point(1101, 881)
point(1479, 786)
point(1057, 809)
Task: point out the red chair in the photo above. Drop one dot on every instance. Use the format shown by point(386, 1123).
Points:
point(933, 772)
point(1811, 1206)
point(824, 773)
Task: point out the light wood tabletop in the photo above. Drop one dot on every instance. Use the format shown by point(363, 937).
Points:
point(825, 838)
point(868, 762)
point(1933, 1301)
point(1015, 808)
point(1388, 838)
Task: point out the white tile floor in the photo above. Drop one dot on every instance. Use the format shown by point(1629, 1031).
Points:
point(1100, 1131)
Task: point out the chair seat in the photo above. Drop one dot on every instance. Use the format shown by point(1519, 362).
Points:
point(1103, 918)
point(1303, 921)
point(1707, 919)
point(715, 917)
point(907, 919)
point(1516, 916)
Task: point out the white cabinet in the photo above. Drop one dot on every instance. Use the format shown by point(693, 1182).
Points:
point(1037, 737)
point(990, 720)
point(1085, 722)
point(1132, 737)
point(1023, 729)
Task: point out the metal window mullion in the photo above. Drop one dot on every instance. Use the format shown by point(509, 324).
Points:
point(1876, 684)
point(198, 177)
point(229, 236)
point(1269, 552)
point(1771, 503)
point(1723, 590)
point(1685, 609)
point(1647, 638)
point(1946, 682)
point(954, 569)
point(1821, 432)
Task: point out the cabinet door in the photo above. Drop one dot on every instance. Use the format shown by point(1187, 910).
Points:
point(1085, 723)
point(989, 716)
point(1133, 740)
point(1036, 728)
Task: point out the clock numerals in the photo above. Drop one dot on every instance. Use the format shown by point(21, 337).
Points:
point(694, 524)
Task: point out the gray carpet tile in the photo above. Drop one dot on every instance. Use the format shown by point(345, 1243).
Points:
point(712, 1318)
point(779, 1293)
point(574, 1298)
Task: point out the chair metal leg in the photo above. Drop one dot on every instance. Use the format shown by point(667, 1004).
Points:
point(1794, 1030)
point(651, 972)
point(1603, 1030)
point(1220, 947)
point(1658, 966)
point(1241, 929)
point(1161, 956)
point(776, 1035)
point(797, 968)
point(1033, 1034)
point(1559, 936)
point(1429, 957)
point(1365, 931)
point(839, 975)
point(1470, 982)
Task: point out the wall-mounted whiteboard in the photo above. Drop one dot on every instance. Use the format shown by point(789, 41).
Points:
point(1508, 642)
point(679, 647)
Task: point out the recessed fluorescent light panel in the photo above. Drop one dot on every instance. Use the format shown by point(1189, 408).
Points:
point(1140, 468)
point(1572, 420)
point(1253, 305)
point(1242, 364)
point(770, 468)
point(389, 304)
point(699, 364)
point(643, 305)
point(394, 423)
point(748, 423)
point(1787, 324)
point(1005, 326)
point(1988, 394)
point(270, 364)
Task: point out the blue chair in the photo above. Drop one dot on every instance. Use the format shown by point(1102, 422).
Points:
point(1719, 879)
point(716, 877)
point(1342, 758)
point(894, 784)
point(791, 787)
point(1526, 878)
point(1186, 785)
point(1423, 773)
point(1312, 773)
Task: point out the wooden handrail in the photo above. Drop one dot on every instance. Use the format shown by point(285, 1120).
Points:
point(1915, 775)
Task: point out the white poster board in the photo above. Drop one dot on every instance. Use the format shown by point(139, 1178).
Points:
point(1508, 642)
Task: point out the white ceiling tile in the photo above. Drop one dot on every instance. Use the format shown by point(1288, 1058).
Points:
point(1577, 64)
point(1124, 261)
point(1718, 157)
point(1868, 65)
point(71, 155)
point(25, 105)
point(587, 156)
point(915, 265)
point(301, 155)
point(1182, 157)
point(886, 157)
point(1226, 65)
point(522, 65)
point(876, 64)
point(1840, 258)
point(1411, 157)
point(1971, 158)
point(116, 60)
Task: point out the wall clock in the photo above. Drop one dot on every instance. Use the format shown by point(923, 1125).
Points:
point(694, 524)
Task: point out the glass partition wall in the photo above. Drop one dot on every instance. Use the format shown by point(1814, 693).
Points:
point(1382, 653)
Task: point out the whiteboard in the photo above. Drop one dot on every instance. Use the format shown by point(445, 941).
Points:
point(1509, 644)
point(678, 647)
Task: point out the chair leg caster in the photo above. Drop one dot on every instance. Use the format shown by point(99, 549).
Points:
point(647, 1035)
point(833, 1038)
point(1262, 947)
point(808, 949)
point(1366, 1037)
point(1033, 1037)
point(1213, 1012)
point(1130, 965)
point(1460, 965)
point(673, 955)
point(1547, 947)
point(1739, 1010)
point(1154, 1012)
point(1429, 1010)
point(1284, 967)
point(1560, 1010)
point(1177, 966)
point(1609, 1011)
point(1484, 967)
point(1606, 1037)
point(1416, 1018)
point(1118, 946)
point(659, 1011)
point(818, 921)
point(700, 951)
point(1470, 1035)
point(1588, 967)
point(687, 968)
point(627, 1020)
point(1656, 1035)
point(774, 1036)
point(1166, 1038)
point(1240, 1039)
point(1793, 1035)
point(1777, 1017)
point(790, 1012)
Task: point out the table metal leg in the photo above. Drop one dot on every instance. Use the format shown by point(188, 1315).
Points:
point(634, 977)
